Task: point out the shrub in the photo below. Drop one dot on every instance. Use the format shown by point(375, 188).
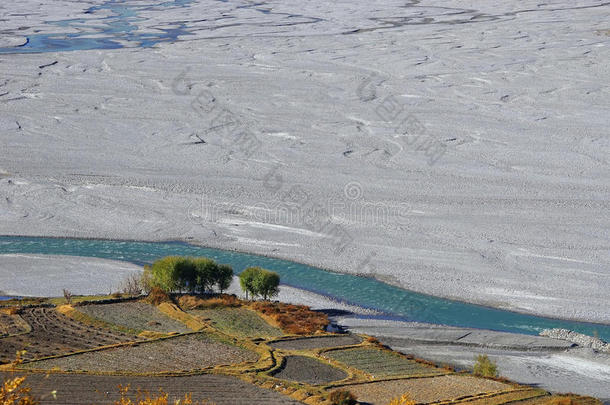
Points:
point(485, 367)
point(405, 399)
point(342, 397)
point(132, 285)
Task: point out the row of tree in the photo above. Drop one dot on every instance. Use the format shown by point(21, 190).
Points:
point(192, 274)
point(203, 275)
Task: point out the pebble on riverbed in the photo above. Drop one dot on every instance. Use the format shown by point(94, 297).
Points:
point(578, 338)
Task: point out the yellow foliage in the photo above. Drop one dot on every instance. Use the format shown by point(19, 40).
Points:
point(405, 399)
point(13, 392)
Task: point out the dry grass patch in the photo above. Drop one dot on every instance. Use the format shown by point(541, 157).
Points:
point(293, 319)
point(190, 302)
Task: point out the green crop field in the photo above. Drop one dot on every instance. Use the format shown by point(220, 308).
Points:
point(380, 363)
point(238, 322)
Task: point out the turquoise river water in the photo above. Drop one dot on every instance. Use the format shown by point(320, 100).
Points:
point(366, 292)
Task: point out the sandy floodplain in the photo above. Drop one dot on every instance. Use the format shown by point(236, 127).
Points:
point(48, 275)
point(453, 148)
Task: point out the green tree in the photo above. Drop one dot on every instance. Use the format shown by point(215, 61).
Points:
point(246, 280)
point(187, 274)
point(266, 283)
point(205, 271)
point(165, 275)
point(224, 277)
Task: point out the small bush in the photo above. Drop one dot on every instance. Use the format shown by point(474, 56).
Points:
point(157, 296)
point(405, 399)
point(342, 397)
point(485, 367)
point(132, 285)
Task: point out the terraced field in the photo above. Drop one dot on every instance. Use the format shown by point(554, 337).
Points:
point(424, 390)
point(308, 370)
point(102, 390)
point(318, 342)
point(238, 322)
point(134, 315)
point(94, 376)
point(54, 334)
point(12, 324)
point(182, 353)
point(381, 363)
point(510, 397)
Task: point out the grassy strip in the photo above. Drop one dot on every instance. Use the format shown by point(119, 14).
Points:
point(191, 322)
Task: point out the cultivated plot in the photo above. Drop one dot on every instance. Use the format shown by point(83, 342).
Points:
point(102, 390)
point(308, 370)
point(423, 390)
point(138, 316)
point(12, 324)
point(181, 353)
point(238, 322)
point(54, 334)
point(381, 363)
point(319, 342)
